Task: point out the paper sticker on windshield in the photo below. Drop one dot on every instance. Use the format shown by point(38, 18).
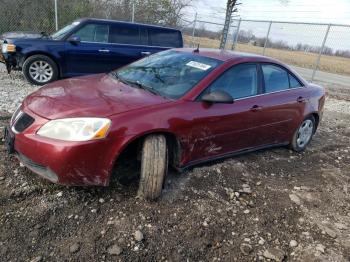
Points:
point(198, 65)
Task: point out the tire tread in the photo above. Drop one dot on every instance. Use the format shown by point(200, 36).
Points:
point(153, 166)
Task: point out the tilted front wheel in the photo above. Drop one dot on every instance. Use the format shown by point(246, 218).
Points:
point(40, 69)
point(154, 167)
point(303, 134)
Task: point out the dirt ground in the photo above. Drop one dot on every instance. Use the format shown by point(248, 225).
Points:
point(273, 204)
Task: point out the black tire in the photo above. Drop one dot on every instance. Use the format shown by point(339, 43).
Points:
point(295, 145)
point(38, 58)
point(154, 167)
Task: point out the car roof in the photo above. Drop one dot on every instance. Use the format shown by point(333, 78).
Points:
point(83, 20)
point(226, 55)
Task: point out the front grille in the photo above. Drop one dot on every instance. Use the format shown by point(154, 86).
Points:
point(41, 170)
point(31, 164)
point(22, 122)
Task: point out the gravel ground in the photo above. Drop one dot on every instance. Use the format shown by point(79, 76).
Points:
point(273, 205)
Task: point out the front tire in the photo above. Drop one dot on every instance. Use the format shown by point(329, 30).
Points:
point(40, 69)
point(303, 134)
point(154, 167)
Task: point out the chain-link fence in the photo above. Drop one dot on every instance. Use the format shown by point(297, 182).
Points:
point(312, 48)
point(50, 15)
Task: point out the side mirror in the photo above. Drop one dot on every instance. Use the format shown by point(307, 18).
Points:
point(74, 39)
point(218, 97)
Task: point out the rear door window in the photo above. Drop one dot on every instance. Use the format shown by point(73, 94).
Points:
point(120, 34)
point(276, 78)
point(93, 33)
point(164, 38)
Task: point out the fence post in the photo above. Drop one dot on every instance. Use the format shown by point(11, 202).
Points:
point(133, 12)
point(194, 28)
point(320, 53)
point(267, 37)
point(56, 16)
point(236, 36)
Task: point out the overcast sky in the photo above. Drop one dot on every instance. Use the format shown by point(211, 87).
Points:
point(325, 11)
point(314, 11)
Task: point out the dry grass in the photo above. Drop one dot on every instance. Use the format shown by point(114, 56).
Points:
point(331, 64)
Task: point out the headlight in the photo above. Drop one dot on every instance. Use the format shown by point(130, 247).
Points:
point(76, 129)
point(8, 48)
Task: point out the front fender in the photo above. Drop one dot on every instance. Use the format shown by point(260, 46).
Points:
point(52, 50)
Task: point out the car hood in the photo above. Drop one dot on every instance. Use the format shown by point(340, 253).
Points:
point(21, 35)
point(90, 96)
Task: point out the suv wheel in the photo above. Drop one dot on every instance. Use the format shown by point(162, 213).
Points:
point(154, 167)
point(40, 69)
point(303, 134)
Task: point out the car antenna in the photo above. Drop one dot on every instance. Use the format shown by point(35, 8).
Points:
point(196, 50)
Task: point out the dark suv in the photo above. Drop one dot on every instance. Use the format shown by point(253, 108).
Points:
point(86, 46)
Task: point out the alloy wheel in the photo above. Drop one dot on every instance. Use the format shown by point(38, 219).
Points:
point(305, 133)
point(41, 71)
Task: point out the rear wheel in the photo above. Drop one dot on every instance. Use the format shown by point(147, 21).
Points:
point(40, 69)
point(154, 166)
point(303, 134)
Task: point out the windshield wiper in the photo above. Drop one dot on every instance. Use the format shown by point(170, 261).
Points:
point(142, 86)
point(116, 75)
point(138, 84)
point(45, 35)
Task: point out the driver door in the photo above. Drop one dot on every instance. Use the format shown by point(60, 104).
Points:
point(92, 54)
point(227, 128)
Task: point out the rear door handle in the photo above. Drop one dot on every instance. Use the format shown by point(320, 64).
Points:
point(104, 50)
point(145, 53)
point(301, 99)
point(255, 108)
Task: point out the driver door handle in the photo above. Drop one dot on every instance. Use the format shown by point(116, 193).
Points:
point(255, 108)
point(104, 50)
point(301, 99)
point(145, 53)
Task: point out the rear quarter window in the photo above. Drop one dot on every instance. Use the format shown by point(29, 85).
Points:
point(164, 38)
point(120, 34)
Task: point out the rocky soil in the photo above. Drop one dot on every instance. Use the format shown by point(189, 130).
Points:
point(272, 205)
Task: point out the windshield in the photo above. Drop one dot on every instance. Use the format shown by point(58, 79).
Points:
point(62, 32)
point(169, 73)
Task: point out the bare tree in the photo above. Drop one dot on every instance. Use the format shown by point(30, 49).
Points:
point(230, 8)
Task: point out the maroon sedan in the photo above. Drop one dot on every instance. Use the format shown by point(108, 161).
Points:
point(180, 106)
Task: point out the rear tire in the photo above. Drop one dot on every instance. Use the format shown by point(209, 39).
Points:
point(303, 134)
point(40, 70)
point(154, 167)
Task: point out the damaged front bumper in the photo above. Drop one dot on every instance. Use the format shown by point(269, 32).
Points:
point(8, 60)
point(66, 163)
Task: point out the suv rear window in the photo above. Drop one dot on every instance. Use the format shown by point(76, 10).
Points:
point(124, 35)
point(164, 38)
